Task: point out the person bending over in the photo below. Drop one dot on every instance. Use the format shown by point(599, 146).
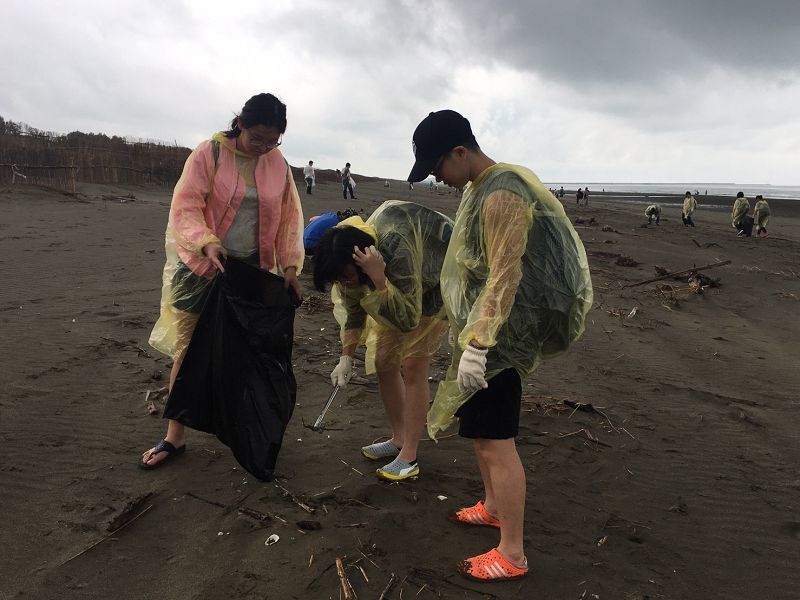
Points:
point(385, 289)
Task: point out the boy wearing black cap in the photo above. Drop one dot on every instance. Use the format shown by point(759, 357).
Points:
point(516, 287)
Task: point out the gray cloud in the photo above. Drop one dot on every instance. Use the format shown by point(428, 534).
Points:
point(557, 84)
point(634, 41)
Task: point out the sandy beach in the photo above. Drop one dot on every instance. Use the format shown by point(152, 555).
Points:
point(682, 483)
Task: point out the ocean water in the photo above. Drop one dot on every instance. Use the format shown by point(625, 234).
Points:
point(714, 189)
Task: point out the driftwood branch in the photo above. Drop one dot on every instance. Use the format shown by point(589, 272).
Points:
point(587, 434)
point(101, 540)
point(259, 516)
point(295, 499)
point(388, 588)
point(588, 407)
point(128, 512)
point(706, 245)
point(347, 589)
point(676, 273)
point(206, 500)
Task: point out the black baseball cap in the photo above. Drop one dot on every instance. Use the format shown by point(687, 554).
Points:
point(435, 136)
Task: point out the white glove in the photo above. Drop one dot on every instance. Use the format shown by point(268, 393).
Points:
point(471, 369)
point(343, 372)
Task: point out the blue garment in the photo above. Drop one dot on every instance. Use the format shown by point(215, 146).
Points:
point(317, 228)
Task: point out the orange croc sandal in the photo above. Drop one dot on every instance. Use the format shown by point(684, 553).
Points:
point(491, 566)
point(474, 515)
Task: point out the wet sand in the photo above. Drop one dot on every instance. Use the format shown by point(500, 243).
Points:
point(684, 484)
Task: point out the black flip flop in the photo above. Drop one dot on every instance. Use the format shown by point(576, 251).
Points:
point(163, 446)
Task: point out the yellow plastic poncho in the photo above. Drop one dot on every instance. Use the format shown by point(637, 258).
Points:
point(689, 206)
point(407, 318)
point(515, 279)
point(740, 209)
point(761, 213)
point(653, 209)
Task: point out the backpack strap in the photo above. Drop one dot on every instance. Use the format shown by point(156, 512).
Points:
point(215, 154)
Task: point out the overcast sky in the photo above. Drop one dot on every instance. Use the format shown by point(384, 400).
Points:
point(577, 90)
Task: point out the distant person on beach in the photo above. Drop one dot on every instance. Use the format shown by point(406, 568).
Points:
point(740, 218)
point(347, 183)
point(308, 174)
point(586, 197)
point(386, 183)
point(515, 283)
point(236, 197)
point(579, 196)
point(561, 192)
point(653, 212)
point(761, 216)
point(689, 206)
point(385, 275)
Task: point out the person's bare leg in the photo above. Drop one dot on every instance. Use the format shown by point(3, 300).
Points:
point(507, 477)
point(176, 432)
point(488, 501)
point(392, 391)
point(415, 404)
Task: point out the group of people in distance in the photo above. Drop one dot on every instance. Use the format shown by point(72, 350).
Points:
point(508, 277)
point(653, 211)
point(740, 218)
point(344, 175)
point(744, 223)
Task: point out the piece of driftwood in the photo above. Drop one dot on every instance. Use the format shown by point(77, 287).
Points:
point(706, 245)
point(295, 499)
point(128, 512)
point(85, 550)
point(258, 515)
point(675, 273)
point(388, 588)
point(347, 589)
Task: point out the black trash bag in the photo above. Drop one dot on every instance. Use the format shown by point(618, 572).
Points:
point(236, 380)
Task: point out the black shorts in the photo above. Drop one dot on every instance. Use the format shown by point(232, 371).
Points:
point(493, 413)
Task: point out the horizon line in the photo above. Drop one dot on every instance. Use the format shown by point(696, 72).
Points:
point(682, 182)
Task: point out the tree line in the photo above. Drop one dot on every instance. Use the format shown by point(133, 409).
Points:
point(32, 155)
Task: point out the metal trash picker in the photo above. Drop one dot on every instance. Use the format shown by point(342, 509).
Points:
point(317, 426)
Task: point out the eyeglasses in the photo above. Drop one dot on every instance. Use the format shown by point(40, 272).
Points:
point(256, 141)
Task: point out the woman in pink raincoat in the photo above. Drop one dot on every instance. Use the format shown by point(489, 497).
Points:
point(236, 196)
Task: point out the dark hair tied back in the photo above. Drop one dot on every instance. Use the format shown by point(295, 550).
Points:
point(334, 251)
point(261, 109)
